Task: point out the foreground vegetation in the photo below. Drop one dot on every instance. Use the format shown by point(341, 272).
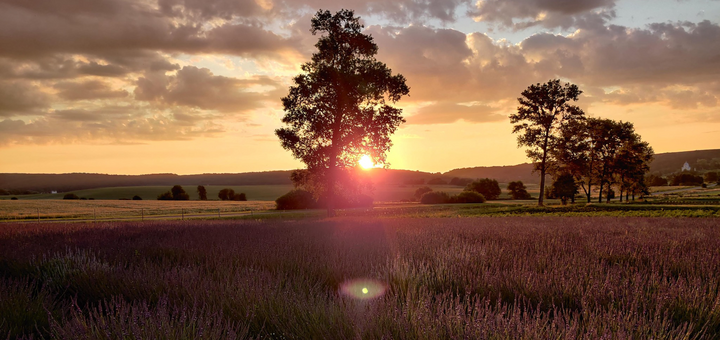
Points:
point(517, 277)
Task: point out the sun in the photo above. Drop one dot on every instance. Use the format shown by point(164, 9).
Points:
point(366, 162)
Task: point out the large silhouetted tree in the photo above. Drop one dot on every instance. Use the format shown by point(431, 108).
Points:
point(543, 109)
point(338, 108)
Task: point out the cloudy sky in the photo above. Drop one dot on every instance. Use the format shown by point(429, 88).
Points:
point(194, 86)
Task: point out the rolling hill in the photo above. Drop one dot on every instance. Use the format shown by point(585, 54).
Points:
point(664, 164)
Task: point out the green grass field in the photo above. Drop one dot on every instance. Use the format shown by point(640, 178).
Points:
point(381, 193)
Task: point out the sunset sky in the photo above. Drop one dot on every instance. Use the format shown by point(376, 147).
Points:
point(194, 86)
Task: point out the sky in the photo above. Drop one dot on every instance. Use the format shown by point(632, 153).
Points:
point(194, 86)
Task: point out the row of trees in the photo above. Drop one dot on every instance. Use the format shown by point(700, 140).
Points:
point(177, 193)
point(566, 144)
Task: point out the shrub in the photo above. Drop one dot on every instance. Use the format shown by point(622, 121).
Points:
point(435, 197)
point(14, 199)
point(437, 181)
point(421, 191)
point(137, 198)
point(468, 197)
point(489, 188)
point(71, 196)
point(239, 197)
point(518, 191)
point(166, 196)
point(296, 199)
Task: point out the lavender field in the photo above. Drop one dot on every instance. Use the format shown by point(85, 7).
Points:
point(364, 278)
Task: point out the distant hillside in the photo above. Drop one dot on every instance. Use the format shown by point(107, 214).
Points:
point(664, 163)
point(79, 181)
point(503, 174)
point(670, 162)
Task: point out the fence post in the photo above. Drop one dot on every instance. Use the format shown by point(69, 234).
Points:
point(182, 212)
point(142, 211)
point(38, 214)
point(94, 215)
point(218, 212)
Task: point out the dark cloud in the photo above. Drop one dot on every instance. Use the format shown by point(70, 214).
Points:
point(520, 14)
point(21, 98)
point(199, 88)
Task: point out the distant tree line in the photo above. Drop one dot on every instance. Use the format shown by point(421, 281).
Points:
point(683, 179)
point(177, 193)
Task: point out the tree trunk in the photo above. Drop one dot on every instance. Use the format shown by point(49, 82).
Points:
point(600, 194)
point(330, 191)
point(588, 191)
point(541, 199)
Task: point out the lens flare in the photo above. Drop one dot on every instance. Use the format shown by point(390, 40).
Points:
point(363, 289)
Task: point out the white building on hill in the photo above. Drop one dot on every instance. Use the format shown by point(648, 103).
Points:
point(685, 167)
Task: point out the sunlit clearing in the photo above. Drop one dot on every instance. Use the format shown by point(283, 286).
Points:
point(363, 289)
point(365, 162)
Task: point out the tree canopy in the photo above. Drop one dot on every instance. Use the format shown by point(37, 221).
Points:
point(339, 107)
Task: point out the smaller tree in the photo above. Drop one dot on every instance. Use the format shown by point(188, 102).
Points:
point(137, 198)
point(239, 197)
point(489, 188)
point(179, 194)
point(543, 110)
point(71, 196)
point(202, 192)
point(565, 188)
point(711, 177)
point(421, 191)
point(656, 181)
point(518, 191)
point(166, 196)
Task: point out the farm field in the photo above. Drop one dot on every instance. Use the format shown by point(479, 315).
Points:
point(364, 278)
point(107, 209)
